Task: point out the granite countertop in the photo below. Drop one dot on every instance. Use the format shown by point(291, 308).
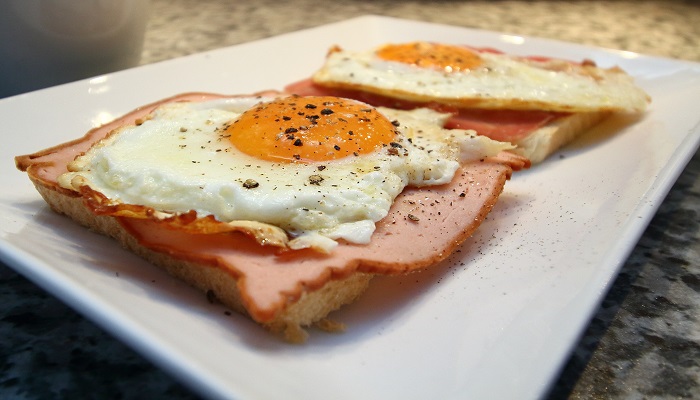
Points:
point(643, 342)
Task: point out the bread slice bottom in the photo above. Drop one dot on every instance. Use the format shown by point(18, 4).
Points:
point(541, 143)
point(243, 278)
point(216, 283)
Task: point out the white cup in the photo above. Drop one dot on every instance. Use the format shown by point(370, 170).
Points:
point(48, 42)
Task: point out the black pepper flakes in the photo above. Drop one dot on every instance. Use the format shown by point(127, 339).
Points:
point(315, 179)
point(250, 184)
point(413, 218)
point(298, 142)
point(326, 111)
point(211, 297)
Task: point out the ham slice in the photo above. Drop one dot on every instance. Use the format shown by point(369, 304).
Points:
point(501, 125)
point(423, 227)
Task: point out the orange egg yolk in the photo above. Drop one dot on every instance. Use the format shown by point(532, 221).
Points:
point(310, 129)
point(431, 55)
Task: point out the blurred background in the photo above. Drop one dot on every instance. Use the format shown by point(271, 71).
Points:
point(48, 42)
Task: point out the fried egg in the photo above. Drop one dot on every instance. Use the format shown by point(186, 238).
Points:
point(465, 77)
point(320, 168)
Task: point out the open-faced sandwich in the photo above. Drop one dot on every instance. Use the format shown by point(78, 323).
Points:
point(538, 104)
point(281, 207)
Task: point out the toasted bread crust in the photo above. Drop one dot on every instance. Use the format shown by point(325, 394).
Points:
point(252, 280)
point(540, 144)
point(214, 282)
point(536, 145)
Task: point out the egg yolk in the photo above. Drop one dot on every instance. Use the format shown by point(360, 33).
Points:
point(431, 55)
point(310, 129)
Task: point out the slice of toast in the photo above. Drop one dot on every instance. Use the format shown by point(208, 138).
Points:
point(537, 144)
point(541, 143)
point(569, 97)
point(286, 291)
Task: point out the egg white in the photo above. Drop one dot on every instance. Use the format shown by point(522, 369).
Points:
point(501, 81)
point(177, 161)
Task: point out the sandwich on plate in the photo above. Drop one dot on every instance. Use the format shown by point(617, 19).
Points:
point(282, 207)
point(538, 104)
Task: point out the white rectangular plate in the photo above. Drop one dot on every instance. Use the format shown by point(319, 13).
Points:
point(496, 320)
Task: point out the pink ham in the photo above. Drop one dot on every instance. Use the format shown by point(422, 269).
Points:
point(501, 125)
point(424, 226)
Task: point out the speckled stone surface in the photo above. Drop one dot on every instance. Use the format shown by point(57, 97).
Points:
point(644, 341)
